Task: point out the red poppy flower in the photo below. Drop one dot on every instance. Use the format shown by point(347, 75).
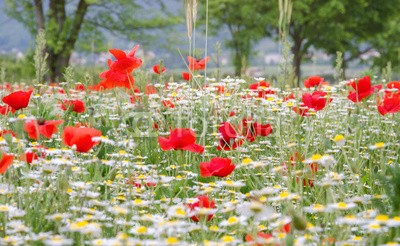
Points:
point(262, 88)
point(4, 110)
point(229, 139)
point(168, 103)
point(258, 85)
point(119, 74)
point(75, 105)
point(181, 139)
point(43, 127)
point(125, 63)
point(263, 129)
point(394, 85)
point(220, 89)
point(5, 162)
point(186, 76)
point(203, 202)
point(135, 97)
point(362, 89)
point(389, 105)
point(80, 87)
point(316, 100)
point(157, 69)
point(313, 81)
point(197, 64)
point(18, 99)
point(5, 132)
point(253, 129)
point(81, 137)
point(261, 239)
point(219, 167)
point(33, 154)
point(125, 81)
point(289, 97)
point(150, 89)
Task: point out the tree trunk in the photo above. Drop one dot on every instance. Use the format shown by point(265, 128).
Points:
point(61, 46)
point(237, 63)
point(56, 64)
point(297, 67)
point(298, 54)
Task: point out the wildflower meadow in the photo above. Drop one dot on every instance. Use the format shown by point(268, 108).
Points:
point(199, 161)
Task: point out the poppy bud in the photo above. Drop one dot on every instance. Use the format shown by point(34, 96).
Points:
point(299, 222)
point(41, 121)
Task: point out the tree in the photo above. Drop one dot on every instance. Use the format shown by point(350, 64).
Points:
point(364, 26)
point(68, 22)
point(354, 27)
point(247, 22)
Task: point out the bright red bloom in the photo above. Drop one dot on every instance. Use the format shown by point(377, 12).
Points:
point(197, 64)
point(291, 96)
point(168, 103)
point(219, 167)
point(313, 81)
point(150, 89)
point(262, 239)
point(81, 137)
point(262, 88)
point(389, 105)
point(394, 85)
point(362, 89)
point(125, 63)
point(316, 100)
point(258, 85)
point(186, 76)
point(119, 74)
point(80, 87)
point(18, 99)
point(5, 162)
point(43, 127)
point(254, 129)
point(33, 154)
point(75, 105)
point(4, 110)
point(220, 89)
point(157, 69)
point(203, 202)
point(229, 137)
point(5, 132)
point(181, 139)
point(29, 157)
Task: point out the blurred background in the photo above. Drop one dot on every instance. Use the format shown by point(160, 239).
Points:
point(242, 37)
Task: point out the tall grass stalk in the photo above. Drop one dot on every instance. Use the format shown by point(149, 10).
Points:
point(40, 56)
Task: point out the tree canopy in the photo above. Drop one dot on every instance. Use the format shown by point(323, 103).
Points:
point(84, 22)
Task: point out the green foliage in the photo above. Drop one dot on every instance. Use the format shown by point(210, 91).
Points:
point(17, 69)
point(247, 22)
point(84, 24)
point(391, 184)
